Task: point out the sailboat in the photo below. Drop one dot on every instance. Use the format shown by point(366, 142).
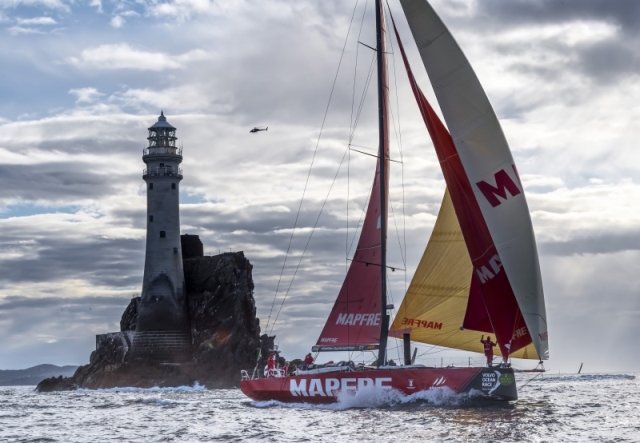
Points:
point(479, 273)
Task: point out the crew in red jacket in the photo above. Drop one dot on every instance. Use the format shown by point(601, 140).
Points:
point(307, 361)
point(271, 364)
point(488, 349)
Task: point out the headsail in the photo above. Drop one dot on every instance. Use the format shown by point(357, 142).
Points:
point(356, 318)
point(439, 297)
point(485, 188)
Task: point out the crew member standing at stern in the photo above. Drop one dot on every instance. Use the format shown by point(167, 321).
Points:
point(308, 360)
point(488, 349)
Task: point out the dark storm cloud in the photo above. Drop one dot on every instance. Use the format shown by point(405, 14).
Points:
point(604, 60)
point(95, 146)
point(101, 261)
point(58, 181)
point(514, 13)
point(593, 243)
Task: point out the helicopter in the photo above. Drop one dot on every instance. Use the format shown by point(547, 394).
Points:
point(257, 129)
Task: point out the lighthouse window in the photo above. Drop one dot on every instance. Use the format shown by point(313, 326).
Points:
point(163, 234)
point(150, 186)
point(151, 218)
point(173, 186)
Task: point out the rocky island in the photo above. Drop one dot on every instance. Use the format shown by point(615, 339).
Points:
point(224, 331)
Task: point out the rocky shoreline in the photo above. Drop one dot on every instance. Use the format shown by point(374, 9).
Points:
point(225, 336)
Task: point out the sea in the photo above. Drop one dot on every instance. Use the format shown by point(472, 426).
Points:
point(551, 408)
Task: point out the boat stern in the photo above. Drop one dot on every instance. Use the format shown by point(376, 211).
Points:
point(497, 383)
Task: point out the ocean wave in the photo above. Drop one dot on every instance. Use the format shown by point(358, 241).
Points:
point(196, 387)
point(372, 397)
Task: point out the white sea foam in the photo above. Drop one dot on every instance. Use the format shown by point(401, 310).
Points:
point(375, 397)
point(195, 387)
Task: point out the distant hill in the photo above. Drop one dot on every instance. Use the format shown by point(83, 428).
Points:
point(34, 375)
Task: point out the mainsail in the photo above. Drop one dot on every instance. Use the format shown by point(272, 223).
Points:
point(494, 220)
point(356, 318)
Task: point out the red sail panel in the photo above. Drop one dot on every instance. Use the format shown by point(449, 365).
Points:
point(355, 319)
point(476, 317)
point(499, 299)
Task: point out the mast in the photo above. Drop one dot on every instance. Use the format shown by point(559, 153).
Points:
point(380, 50)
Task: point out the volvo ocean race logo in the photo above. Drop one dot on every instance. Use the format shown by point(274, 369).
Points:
point(489, 380)
point(410, 384)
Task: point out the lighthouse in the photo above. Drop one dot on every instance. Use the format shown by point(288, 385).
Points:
point(162, 331)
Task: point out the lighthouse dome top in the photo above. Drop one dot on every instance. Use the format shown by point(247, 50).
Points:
point(162, 123)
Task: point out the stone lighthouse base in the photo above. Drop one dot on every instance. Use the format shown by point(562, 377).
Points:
point(161, 346)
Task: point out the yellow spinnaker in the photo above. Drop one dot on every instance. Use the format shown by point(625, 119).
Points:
point(433, 308)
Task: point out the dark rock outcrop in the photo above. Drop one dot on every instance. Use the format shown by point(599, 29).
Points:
point(191, 246)
point(55, 384)
point(224, 329)
point(130, 316)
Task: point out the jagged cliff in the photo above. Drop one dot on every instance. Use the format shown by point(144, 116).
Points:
point(224, 330)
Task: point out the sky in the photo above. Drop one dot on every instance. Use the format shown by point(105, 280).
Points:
point(82, 80)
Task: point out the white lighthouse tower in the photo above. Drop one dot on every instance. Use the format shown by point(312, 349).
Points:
point(162, 331)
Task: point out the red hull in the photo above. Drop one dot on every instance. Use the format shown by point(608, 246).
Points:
point(495, 383)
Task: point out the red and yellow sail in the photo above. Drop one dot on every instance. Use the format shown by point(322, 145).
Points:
point(463, 276)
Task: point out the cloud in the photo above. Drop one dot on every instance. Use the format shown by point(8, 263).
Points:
point(36, 21)
point(118, 21)
point(17, 30)
point(51, 4)
point(123, 56)
point(86, 95)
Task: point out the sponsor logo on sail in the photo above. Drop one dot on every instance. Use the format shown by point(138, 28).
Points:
point(504, 185)
point(487, 272)
point(359, 319)
point(426, 324)
point(331, 386)
point(328, 340)
point(544, 336)
point(519, 333)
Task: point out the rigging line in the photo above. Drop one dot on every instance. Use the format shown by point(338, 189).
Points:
point(372, 155)
point(393, 216)
point(355, 71)
point(365, 207)
point(530, 380)
point(428, 351)
point(390, 294)
point(395, 81)
point(346, 238)
point(324, 119)
point(362, 100)
point(351, 131)
point(310, 236)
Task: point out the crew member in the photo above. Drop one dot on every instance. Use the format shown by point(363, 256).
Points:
point(308, 360)
point(271, 365)
point(488, 349)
